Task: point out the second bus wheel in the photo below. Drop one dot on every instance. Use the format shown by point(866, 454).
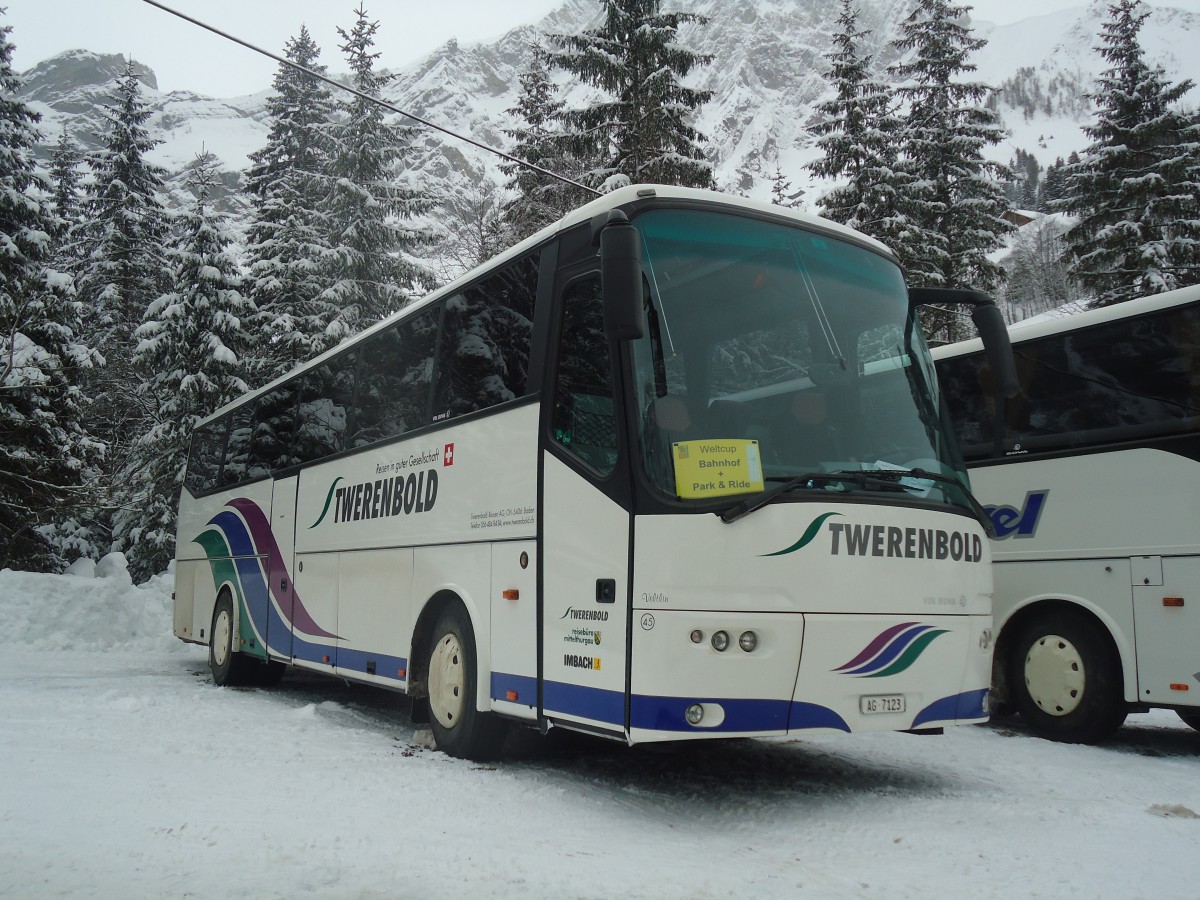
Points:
point(458, 727)
point(229, 669)
point(1065, 679)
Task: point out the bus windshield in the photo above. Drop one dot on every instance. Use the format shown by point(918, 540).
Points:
point(771, 353)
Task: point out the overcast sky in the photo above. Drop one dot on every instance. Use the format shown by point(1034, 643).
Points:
point(186, 57)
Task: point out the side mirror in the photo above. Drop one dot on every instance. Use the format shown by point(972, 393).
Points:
point(989, 322)
point(620, 275)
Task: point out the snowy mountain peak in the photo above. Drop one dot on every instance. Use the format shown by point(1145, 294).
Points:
point(767, 75)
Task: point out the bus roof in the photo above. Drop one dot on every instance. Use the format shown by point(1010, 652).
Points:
point(1019, 332)
point(612, 200)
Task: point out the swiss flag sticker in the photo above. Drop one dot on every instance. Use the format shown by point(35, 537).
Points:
point(448, 455)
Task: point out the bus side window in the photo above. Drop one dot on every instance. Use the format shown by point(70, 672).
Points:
point(273, 446)
point(326, 395)
point(583, 415)
point(394, 383)
point(204, 459)
point(237, 448)
point(483, 358)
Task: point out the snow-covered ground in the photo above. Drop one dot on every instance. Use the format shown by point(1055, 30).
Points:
point(124, 773)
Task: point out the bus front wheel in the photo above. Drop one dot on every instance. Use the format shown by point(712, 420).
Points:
point(1065, 679)
point(458, 727)
point(229, 669)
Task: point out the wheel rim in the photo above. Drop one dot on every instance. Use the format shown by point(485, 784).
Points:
point(1055, 675)
point(222, 637)
point(447, 681)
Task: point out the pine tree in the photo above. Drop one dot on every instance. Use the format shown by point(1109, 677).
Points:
point(781, 189)
point(859, 142)
point(1052, 186)
point(644, 131)
point(288, 240)
point(126, 223)
point(540, 199)
point(1136, 189)
point(374, 239)
point(956, 195)
point(44, 449)
point(66, 177)
point(190, 352)
point(120, 272)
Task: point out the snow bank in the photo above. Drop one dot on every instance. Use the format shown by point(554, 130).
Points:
point(90, 608)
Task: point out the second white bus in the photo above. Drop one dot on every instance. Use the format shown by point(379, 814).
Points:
point(1092, 478)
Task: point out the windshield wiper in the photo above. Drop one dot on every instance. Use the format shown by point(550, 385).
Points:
point(925, 475)
point(810, 480)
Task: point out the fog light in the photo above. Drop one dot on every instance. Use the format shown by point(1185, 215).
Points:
point(697, 635)
point(748, 641)
point(694, 714)
point(720, 641)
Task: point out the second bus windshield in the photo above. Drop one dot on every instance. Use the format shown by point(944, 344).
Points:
point(798, 342)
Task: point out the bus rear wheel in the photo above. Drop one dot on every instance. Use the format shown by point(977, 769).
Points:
point(458, 727)
point(1065, 679)
point(229, 669)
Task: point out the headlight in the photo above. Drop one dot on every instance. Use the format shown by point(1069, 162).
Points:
point(720, 641)
point(748, 641)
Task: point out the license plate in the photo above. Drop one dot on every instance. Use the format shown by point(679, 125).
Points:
point(881, 703)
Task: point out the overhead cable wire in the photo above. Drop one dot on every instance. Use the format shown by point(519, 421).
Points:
point(368, 97)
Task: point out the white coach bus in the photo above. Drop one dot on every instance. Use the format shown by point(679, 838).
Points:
point(672, 468)
point(1092, 477)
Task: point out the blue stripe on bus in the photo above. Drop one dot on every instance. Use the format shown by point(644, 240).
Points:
point(523, 686)
point(385, 666)
point(588, 703)
point(667, 714)
point(968, 705)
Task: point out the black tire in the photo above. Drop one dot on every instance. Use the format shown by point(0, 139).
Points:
point(1064, 678)
point(229, 668)
point(458, 727)
point(1190, 717)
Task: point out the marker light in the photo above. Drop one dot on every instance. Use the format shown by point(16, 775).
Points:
point(694, 714)
point(697, 635)
point(748, 641)
point(720, 641)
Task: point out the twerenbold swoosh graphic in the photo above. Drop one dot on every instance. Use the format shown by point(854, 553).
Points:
point(892, 651)
point(328, 499)
point(806, 538)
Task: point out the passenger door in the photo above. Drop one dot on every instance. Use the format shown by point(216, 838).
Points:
point(585, 527)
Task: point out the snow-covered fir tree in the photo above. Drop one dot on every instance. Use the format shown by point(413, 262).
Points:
point(374, 266)
point(45, 451)
point(644, 129)
point(66, 177)
point(125, 224)
point(121, 271)
point(540, 199)
point(955, 200)
point(1136, 188)
point(859, 141)
point(781, 189)
point(288, 248)
point(189, 354)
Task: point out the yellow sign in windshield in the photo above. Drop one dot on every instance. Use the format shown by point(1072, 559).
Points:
point(717, 468)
